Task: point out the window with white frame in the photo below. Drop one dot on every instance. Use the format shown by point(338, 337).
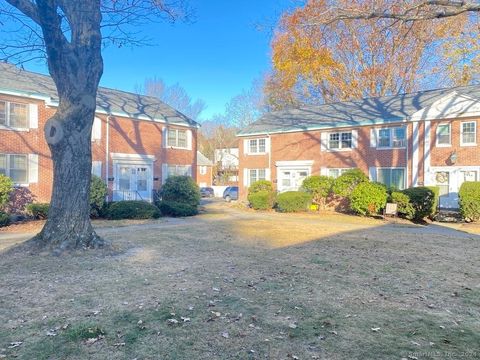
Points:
point(443, 134)
point(391, 137)
point(177, 138)
point(14, 115)
point(469, 133)
point(15, 167)
point(256, 175)
point(392, 177)
point(203, 170)
point(340, 140)
point(179, 170)
point(336, 172)
point(257, 146)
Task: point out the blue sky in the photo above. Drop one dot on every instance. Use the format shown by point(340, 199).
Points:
point(213, 58)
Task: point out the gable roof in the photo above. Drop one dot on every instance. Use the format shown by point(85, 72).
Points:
point(20, 82)
point(369, 111)
point(202, 160)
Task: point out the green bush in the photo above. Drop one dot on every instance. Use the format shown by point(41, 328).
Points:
point(424, 201)
point(368, 198)
point(133, 209)
point(181, 189)
point(177, 209)
point(318, 187)
point(469, 200)
point(404, 206)
point(38, 210)
point(98, 194)
point(345, 183)
point(261, 200)
point(6, 187)
point(260, 185)
point(436, 200)
point(4, 219)
point(261, 195)
point(293, 201)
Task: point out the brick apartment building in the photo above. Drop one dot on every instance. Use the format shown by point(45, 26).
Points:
point(137, 141)
point(204, 170)
point(424, 138)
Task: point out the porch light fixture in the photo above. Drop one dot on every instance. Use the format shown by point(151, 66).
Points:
point(453, 158)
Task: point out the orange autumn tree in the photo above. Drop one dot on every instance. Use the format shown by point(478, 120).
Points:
point(316, 61)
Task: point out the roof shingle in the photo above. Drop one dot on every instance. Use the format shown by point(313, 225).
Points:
point(379, 110)
point(109, 101)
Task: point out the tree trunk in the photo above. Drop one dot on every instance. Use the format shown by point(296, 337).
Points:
point(76, 66)
point(68, 226)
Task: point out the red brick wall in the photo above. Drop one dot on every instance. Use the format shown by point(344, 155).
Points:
point(467, 155)
point(126, 136)
point(207, 178)
point(307, 146)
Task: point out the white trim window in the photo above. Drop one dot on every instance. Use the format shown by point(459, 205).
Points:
point(340, 140)
point(256, 175)
point(177, 138)
point(203, 170)
point(444, 132)
point(14, 115)
point(179, 170)
point(336, 172)
point(468, 133)
point(389, 138)
point(15, 166)
point(392, 177)
point(257, 146)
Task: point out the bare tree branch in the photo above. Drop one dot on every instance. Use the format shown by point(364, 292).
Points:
point(26, 7)
point(423, 10)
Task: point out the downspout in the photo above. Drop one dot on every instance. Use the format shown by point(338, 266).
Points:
point(270, 156)
point(406, 155)
point(107, 150)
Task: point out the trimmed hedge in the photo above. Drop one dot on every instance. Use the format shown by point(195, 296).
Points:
point(133, 209)
point(368, 198)
point(181, 189)
point(6, 187)
point(319, 187)
point(424, 201)
point(38, 210)
point(260, 185)
point(469, 200)
point(261, 195)
point(177, 209)
point(293, 201)
point(436, 200)
point(345, 183)
point(4, 219)
point(98, 194)
point(261, 200)
point(404, 206)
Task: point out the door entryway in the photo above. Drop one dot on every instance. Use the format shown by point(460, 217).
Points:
point(133, 178)
point(449, 180)
point(290, 174)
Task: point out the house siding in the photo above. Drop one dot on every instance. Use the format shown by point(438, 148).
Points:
point(126, 135)
point(306, 146)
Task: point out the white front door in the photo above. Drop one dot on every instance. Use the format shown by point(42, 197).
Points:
point(448, 192)
point(449, 180)
point(291, 179)
point(133, 182)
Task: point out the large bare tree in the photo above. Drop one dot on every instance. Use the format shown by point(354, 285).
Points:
point(174, 95)
point(70, 34)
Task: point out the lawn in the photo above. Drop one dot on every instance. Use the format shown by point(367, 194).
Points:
point(232, 284)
